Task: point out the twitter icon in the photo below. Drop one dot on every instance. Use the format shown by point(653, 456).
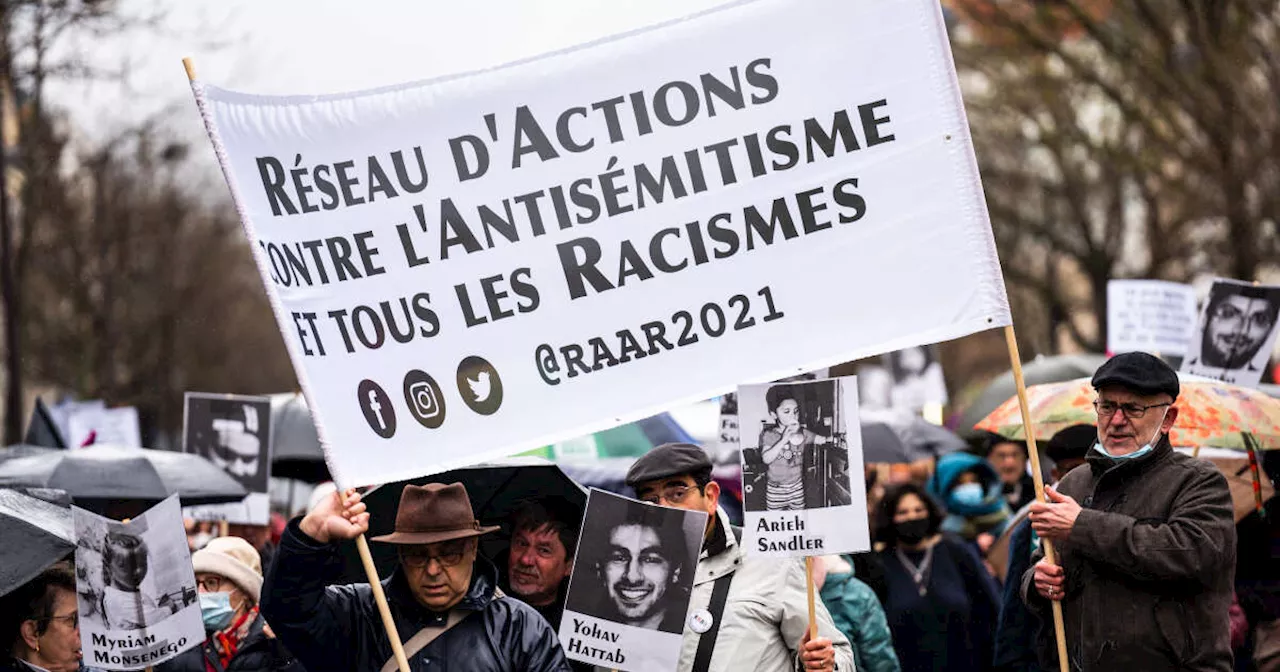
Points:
point(479, 385)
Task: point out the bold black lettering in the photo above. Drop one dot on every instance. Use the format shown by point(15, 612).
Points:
point(662, 110)
point(809, 222)
point(758, 76)
point(490, 220)
point(530, 139)
point(723, 235)
point(523, 287)
point(422, 310)
point(610, 109)
point(871, 123)
point(778, 140)
point(340, 252)
point(402, 174)
point(346, 182)
point(659, 257)
point(406, 240)
point(297, 267)
point(576, 272)
point(845, 196)
point(273, 177)
point(321, 176)
point(631, 263)
point(378, 182)
point(814, 133)
point(779, 216)
point(656, 334)
point(731, 95)
point(379, 335)
point(580, 194)
point(565, 137)
point(389, 316)
point(367, 253)
point(668, 174)
point(454, 230)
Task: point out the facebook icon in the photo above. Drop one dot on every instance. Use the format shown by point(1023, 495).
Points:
point(377, 408)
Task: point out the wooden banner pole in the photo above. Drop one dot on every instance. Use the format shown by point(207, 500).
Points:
point(366, 558)
point(808, 580)
point(1015, 359)
point(224, 528)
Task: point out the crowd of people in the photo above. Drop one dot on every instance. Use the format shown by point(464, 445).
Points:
point(1152, 571)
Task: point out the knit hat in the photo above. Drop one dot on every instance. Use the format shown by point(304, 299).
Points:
point(234, 559)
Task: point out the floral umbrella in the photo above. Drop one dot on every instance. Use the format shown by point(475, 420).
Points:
point(1210, 413)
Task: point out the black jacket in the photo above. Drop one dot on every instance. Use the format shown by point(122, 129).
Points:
point(338, 628)
point(257, 653)
point(1018, 628)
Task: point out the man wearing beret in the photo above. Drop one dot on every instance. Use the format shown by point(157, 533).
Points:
point(1145, 538)
point(746, 612)
point(443, 597)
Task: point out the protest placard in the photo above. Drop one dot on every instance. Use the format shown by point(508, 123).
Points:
point(1237, 332)
point(630, 588)
point(234, 433)
point(801, 441)
point(137, 591)
point(104, 426)
point(1150, 316)
point(486, 263)
point(908, 380)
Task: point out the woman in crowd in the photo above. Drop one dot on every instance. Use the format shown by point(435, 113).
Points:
point(229, 576)
point(973, 494)
point(40, 625)
point(942, 604)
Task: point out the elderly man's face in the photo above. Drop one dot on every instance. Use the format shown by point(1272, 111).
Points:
point(637, 573)
point(1122, 434)
point(439, 574)
point(1237, 329)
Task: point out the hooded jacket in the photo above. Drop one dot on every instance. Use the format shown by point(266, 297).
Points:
point(968, 520)
point(857, 612)
point(1150, 563)
point(338, 628)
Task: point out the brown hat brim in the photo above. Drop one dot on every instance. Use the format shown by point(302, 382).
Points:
point(419, 538)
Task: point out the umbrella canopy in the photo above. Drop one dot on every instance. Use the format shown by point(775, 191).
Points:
point(1210, 413)
point(495, 488)
point(36, 534)
point(630, 440)
point(1235, 467)
point(1036, 372)
point(25, 450)
point(895, 437)
point(98, 475)
point(295, 445)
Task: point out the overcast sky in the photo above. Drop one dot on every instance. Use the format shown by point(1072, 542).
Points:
point(327, 46)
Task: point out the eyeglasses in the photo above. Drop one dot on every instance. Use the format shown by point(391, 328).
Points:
point(1106, 409)
point(210, 584)
point(72, 619)
point(674, 494)
point(1260, 320)
point(446, 555)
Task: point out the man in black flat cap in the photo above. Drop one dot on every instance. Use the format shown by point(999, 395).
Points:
point(443, 598)
point(1145, 538)
point(745, 612)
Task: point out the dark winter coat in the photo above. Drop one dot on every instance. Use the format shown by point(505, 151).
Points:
point(1017, 628)
point(256, 653)
point(1149, 566)
point(338, 628)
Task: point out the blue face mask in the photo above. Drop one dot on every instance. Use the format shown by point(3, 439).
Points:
point(215, 609)
point(968, 494)
point(1146, 448)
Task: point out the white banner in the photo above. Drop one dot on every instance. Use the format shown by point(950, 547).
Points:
point(800, 444)
point(137, 591)
point(106, 426)
point(1150, 316)
point(492, 262)
point(1237, 334)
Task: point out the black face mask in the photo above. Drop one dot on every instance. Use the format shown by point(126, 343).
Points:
point(912, 531)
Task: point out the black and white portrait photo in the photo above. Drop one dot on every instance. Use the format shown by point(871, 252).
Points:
point(234, 433)
point(637, 564)
point(1238, 328)
point(729, 438)
point(800, 443)
point(908, 380)
point(794, 454)
point(632, 577)
point(132, 577)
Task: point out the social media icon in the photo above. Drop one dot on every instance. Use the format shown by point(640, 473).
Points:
point(479, 385)
point(422, 395)
point(377, 408)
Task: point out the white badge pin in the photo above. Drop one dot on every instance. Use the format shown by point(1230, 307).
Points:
point(700, 621)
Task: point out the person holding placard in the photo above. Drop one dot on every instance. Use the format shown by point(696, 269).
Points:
point(442, 596)
point(40, 624)
point(1145, 538)
point(747, 612)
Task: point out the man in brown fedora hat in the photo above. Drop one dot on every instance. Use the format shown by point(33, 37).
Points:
point(443, 598)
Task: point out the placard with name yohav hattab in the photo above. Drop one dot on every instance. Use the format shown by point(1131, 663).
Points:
point(800, 443)
point(632, 578)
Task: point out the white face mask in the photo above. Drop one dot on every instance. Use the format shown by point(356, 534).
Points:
point(1146, 448)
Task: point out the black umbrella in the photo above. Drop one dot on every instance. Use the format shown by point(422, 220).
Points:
point(98, 476)
point(913, 438)
point(495, 488)
point(295, 445)
point(1038, 371)
point(36, 534)
point(42, 430)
